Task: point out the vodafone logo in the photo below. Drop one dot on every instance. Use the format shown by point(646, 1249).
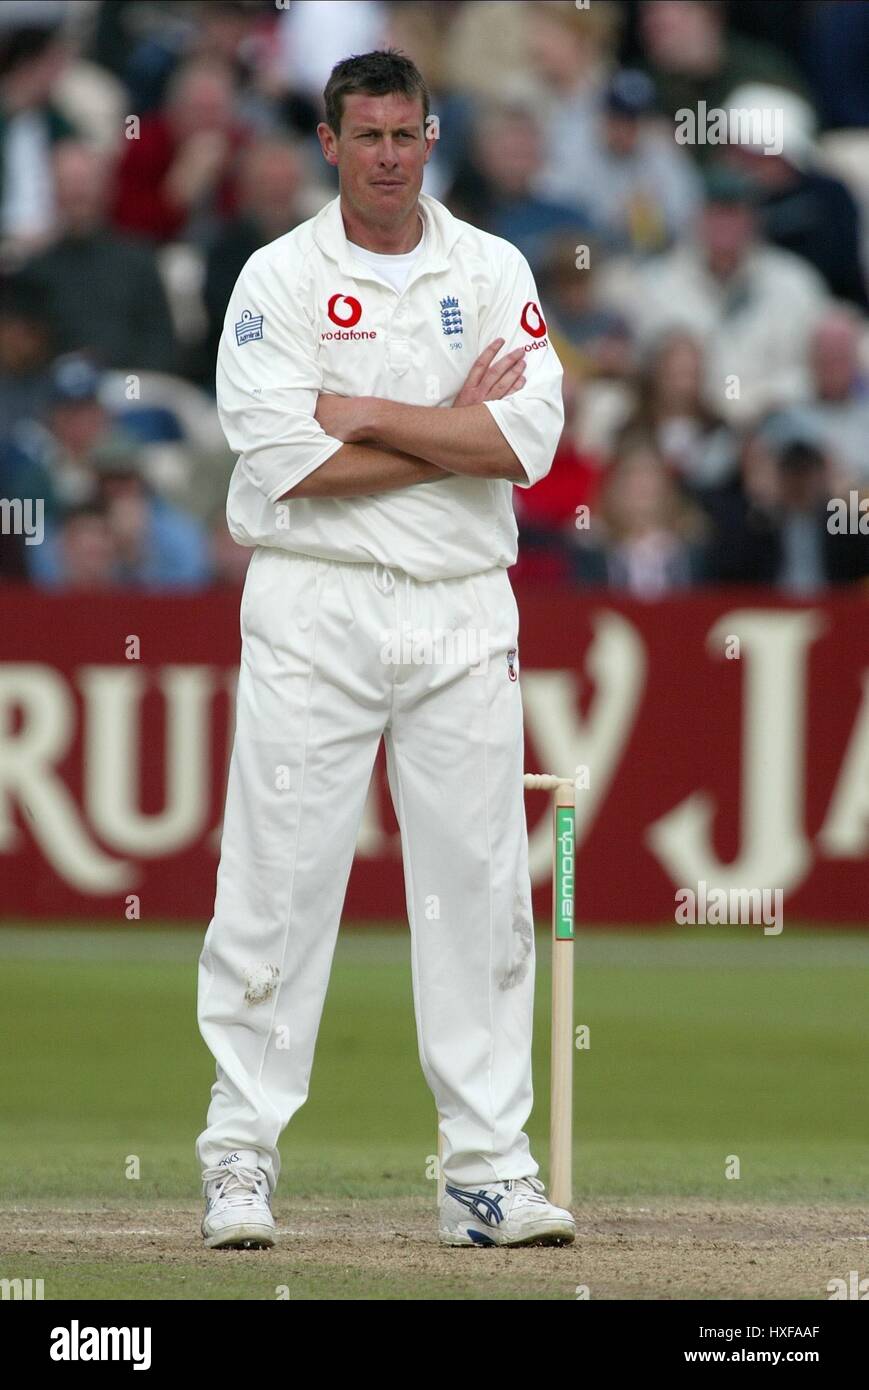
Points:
point(346, 311)
point(532, 320)
point(351, 314)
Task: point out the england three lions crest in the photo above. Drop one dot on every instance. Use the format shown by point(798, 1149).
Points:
point(451, 316)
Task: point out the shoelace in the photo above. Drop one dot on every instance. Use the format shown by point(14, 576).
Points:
point(534, 1183)
point(240, 1187)
point(527, 1191)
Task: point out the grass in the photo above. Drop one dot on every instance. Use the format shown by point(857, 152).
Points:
point(704, 1045)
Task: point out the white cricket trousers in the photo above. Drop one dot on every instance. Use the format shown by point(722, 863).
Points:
point(326, 670)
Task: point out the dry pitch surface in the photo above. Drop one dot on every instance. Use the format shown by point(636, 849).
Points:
point(387, 1249)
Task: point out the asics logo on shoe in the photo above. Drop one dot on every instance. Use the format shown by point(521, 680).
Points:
point(227, 1159)
point(484, 1206)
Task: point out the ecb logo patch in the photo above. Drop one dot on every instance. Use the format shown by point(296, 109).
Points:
point(249, 328)
point(511, 664)
point(451, 316)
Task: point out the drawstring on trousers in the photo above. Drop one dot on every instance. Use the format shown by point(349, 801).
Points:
point(382, 573)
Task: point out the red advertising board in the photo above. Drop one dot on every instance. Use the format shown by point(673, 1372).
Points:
point(722, 737)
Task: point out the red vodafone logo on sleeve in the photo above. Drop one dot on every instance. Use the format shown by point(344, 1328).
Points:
point(346, 311)
point(533, 321)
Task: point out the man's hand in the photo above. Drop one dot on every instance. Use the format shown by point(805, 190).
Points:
point(344, 417)
point(352, 418)
point(485, 382)
point(198, 166)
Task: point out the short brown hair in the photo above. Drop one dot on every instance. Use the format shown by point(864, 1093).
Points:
point(375, 74)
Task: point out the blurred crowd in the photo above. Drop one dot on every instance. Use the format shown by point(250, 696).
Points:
point(708, 300)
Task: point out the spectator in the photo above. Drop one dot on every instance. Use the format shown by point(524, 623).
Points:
point(591, 338)
point(104, 288)
point(485, 46)
point(571, 52)
point(27, 346)
point(752, 306)
point(312, 38)
point(179, 178)
point(593, 341)
point(85, 550)
point(494, 188)
point(32, 57)
point(238, 34)
point(271, 195)
point(802, 209)
point(692, 58)
point(681, 314)
point(50, 458)
point(419, 31)
point(638, 185)
point(156, 546)
point(770, 523)
point(549, 514)
point(840, 405)
point(692, 440)
point(141, 46)
point(159, 546)
point(644, 540)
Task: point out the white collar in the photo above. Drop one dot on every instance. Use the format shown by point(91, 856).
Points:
point(442, 229)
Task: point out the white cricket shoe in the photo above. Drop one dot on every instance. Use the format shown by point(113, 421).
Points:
point(237, 1208)
point(515, 1212)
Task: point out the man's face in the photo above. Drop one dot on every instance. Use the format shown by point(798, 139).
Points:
point(32, 82)
point(81, 187)
point(727, 232)
point(203, 102)
point(835, 357)
point(557, 50)
point(681, 35)
point(509, 152)
point(78, 424)
point(88, 552)
point(380, 155)
point(271, 177)
point(804, 488)
point(621, 134)
point(23, 343)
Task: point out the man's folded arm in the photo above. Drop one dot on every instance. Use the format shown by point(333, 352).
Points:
point(515, 437)
point(464, 440)
point(355, 470)
point(268, 379)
